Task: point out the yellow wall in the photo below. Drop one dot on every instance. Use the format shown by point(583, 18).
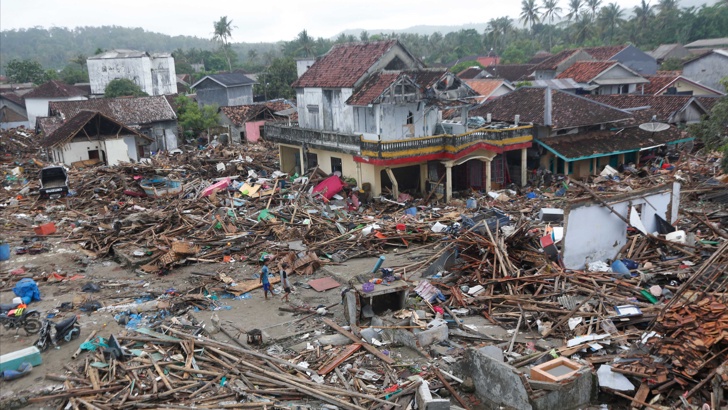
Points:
point(351, 169)
point(683, 86)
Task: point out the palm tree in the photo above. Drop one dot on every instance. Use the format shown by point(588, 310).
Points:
point(80, 59)
point(223, 32)
point(574, 9)
point(593, 5)
point(583, 28)
point(551, 9)
point(252, 55)
point(642, 16)
point(529, 12)
point(306, 43)
point(611, 17)
point(666, 6)
point(497, 30)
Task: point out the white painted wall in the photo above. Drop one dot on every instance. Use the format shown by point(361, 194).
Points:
point(38, 107)
point(155, 76)
point(115, 150)
point(118, 150)
point(593, 233)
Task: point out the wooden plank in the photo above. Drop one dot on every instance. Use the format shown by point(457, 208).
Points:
point(370, 348)
point(641, 396)
point(350, 350)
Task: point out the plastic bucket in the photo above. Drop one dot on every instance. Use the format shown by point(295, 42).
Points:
point(4, 252)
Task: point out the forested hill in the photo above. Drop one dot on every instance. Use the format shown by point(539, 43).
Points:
point(55, 47)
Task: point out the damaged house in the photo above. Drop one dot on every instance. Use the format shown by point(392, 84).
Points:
point(224, 89)
point(95, 137)
point(151, 116)
point(12, 111)
point(372, 112)
point(246, 122)
point(37, 100)
point(577, 135)
point(153, 73)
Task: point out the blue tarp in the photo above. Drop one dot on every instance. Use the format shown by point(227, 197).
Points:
point(27, 290)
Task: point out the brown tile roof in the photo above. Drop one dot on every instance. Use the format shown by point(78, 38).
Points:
point(426, 77)
point(470, 73)
point(605, 142)
point(55, 89)
point(240, 114)
point(552, 62)
point(344, 64)
point(568, 110)
point(104, 127)
point(585, 71)
point(707, 101)
point(127, 110)
point(484, 86)
point(8, 114)
point(663, 106)
point(539, 57)
point(658, 83)
point(46, 125)
point(14, 98)
point(604, 52)
point(511, 72)
point(373, 87)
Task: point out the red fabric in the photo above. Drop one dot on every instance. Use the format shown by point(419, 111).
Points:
point(329, 187)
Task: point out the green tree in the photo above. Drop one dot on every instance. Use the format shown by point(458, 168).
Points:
point(223, 33)
point(194, 119)
point(610, 18)
point(529, 12)
point(574, 9)
point(463, 65)
point(72, 75)
point(26, 71)
point(551, 9)
point(713, 130)
point(306, 44)
point(123, 87)
point(276, 80)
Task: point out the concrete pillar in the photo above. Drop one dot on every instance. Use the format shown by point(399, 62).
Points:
point(395, 186)
point(488, 175)
point(423, 177)
point(566, 167)
point(620, 159)
point(595, 166)
point(448, 182)
point(524, 167)
point(303, 161)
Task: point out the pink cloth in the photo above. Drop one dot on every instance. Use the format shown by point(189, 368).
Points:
point(218, 186)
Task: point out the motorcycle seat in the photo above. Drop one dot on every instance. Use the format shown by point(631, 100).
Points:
point(4, 307)
point(63, 324)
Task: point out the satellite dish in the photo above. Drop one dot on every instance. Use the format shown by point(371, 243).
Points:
point(654, 126)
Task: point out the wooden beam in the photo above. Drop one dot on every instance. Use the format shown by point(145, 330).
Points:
point(370, 348)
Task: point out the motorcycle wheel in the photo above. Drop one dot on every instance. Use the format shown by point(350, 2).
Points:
point(32, 326)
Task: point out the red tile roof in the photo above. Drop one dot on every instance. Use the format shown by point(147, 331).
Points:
point(568, 110)
point(484, 86)
point(127, 110)
point(604, 52)
point(663, 106)
point(372, 88)
point(104, 127)
point(14, 98)
point(240, 114)
point(600, 143)
point(511, 72)
point(552, 62)
point(658, 83)
point(54, 89)
point(585, 71)
point(344, 64)
point(470, 73)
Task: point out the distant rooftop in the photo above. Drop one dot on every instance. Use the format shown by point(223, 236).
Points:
point(124, 53)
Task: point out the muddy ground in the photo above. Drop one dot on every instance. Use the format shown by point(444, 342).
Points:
point(121, 284)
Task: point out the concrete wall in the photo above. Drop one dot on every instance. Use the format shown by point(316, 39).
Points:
point(361, 172)
point(14, 124)
point(708, 70)
point(240, 95)
point(593, 233)
point(163, 76)
point(252, 130)
point(115, 150)
point(38, 107)
point(154, 76)
point(637, 60)
point(164, 134)
point(211, 93)
point(685, 86)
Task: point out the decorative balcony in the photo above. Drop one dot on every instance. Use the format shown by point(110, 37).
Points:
point(435, 147)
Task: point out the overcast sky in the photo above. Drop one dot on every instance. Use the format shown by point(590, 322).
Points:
point(259, 20)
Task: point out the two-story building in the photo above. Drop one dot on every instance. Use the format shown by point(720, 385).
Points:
point(372, 112)
point(153, 73)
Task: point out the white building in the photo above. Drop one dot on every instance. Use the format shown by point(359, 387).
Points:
point(36, 101)
point(153, 73)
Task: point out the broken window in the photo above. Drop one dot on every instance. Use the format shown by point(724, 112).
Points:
point(336, 165)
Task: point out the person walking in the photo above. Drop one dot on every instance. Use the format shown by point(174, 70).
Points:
point(264, 279)
point(284, 282)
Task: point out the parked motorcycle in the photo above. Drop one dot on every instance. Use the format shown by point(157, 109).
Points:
point(12, 317)
point(52, 333)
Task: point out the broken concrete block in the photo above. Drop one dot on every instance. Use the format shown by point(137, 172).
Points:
point(493, 351)
point(425, 401)
point(612, 380)
point(434, 335)
point(551, 214)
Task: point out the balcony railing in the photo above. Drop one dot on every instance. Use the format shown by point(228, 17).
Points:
point(357, 145)
point(333, 141)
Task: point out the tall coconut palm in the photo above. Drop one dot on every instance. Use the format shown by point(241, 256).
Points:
point(306, 44)
point(610, 17)
point(667, 6)
point(574, 9)
point(583, 28)
point(643, 14)
point(593, 5)
point(551, 9)
point(223, 32)
point(529, 12)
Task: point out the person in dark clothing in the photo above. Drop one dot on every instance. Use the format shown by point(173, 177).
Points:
point(284, 281)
